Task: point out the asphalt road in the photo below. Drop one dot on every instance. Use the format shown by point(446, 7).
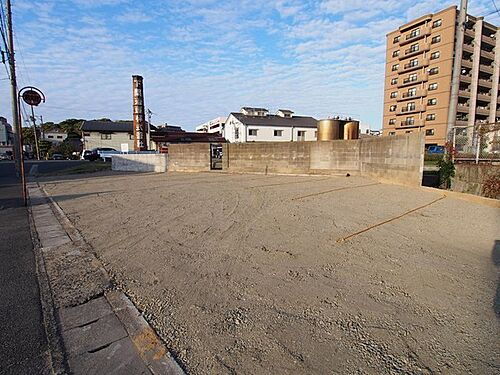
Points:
point(51, 166)
point(23, 344)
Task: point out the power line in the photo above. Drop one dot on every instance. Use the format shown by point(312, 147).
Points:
point(495, 5)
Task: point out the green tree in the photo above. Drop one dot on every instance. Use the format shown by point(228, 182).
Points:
point(71, 125)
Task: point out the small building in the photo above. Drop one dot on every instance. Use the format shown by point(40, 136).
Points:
point(6, 137)
point(213, 126)
point(54, 135)
point(162, 136)
point(257, 125)
point(107, 134)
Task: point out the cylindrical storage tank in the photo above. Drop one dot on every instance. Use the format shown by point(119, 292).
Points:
point(328, 130)
point(351, 130)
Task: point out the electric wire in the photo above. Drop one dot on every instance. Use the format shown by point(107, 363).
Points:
point(495, 5)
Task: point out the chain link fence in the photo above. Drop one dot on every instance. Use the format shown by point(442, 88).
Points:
point(476, 143)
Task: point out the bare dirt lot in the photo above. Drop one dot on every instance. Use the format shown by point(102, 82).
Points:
point(249, 274)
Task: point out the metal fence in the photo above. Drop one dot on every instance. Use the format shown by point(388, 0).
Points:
point(477, 143)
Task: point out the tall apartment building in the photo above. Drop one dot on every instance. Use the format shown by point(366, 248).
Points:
point(418, 75)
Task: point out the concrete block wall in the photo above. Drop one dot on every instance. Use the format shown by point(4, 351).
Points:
point(397, 159)
point(139, 162)
point(470, 178)
point(267, 157)
point(193, 157)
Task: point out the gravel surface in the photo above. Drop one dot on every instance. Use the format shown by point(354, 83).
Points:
point(245, 274)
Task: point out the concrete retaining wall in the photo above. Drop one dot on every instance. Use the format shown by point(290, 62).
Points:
point(470, 178)
point(398, 159)
point(194, 157)
point(139, 162)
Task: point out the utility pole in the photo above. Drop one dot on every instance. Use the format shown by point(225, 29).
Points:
point(16, 127)
point(35, 135)
point(16, 118)
point(457, 66)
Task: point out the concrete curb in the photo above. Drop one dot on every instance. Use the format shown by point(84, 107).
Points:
point(56, 347)
point(147, 345)
point(465, 197)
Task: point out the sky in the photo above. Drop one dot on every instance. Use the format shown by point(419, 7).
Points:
point(201, 59)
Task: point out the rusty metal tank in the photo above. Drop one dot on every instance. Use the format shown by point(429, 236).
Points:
point(351, 130)
point(328, 130)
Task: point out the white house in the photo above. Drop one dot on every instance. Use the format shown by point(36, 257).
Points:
point(54, 135)
point(257, 125)
point(212, 126)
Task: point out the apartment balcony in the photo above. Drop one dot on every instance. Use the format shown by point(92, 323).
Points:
point(486, 68)
point(413, 124)
point(409, 96)
point(466, 78)
point(413, 81)
point(468, 47)
point(470, 32)
point(461, 122)
point(409, 38)
point(491, 41)
point(412, 66)
point(463, 108)
point(483, 111)
point(467, 63)
point(410, 52)
point(485, 96)
point(485, 83)
point(488, 55)
point(409, 110)
point(465, 93)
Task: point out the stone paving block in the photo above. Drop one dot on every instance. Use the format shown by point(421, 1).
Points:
point(53, 242)
point(83, 314)
point(118, 358)
point(93, 335)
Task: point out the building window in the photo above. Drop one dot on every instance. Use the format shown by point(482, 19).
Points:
point(436, 39)
point(413, 34)
point(430, 117)
point(432, 101)
point(131, 137)
point(394, 81)
point(236, 133)
point(410, 120)
point(252, 132)
point(105, 136)
point(413, 48)
point(412, 63)
point(433, 71)
point(278, 133)
point(411, 78)
point(49, 136)
point(394, 94)
point(412, 92)
point(392, 108)
point(395, 53)
point(392, 121)
point(395, 67)
point(409, 131)
point(429, 131)
point(396, 39)
point(433, 86)
point(59, 137)
point(301, 135)
point(410, 106)
point(392, 133)
point(435, 55)
point(437, 23)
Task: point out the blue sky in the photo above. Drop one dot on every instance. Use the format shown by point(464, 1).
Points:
point(205, 58)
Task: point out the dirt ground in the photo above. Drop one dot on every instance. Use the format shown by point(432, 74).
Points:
point(249, 273)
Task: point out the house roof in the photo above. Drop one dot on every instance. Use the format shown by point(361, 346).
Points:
point(108, 126)
point(274, 120)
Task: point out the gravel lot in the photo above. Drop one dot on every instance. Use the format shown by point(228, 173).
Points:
point(249, 274)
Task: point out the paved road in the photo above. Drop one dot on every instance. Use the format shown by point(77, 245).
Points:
point(51, 166)
point(23, 344)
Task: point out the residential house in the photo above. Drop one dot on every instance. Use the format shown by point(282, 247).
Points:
point(213, 126)
point(107, 134)
point(257, 125)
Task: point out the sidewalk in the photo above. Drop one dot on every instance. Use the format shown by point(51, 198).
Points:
point(102, 331)
point(23, 344)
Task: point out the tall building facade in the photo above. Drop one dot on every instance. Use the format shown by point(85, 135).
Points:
point(418, 75)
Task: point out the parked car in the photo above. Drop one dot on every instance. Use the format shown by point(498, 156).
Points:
point(4, 157)
point(435, 150)
point(95, 154)
point(85, 154)
point(57, 157)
